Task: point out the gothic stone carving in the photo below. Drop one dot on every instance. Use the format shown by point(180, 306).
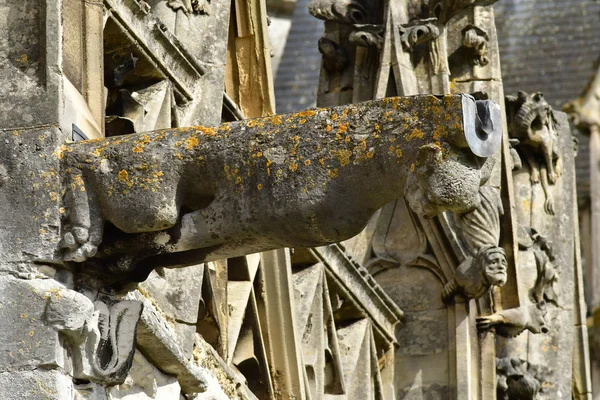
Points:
point(207, 193)
point(190, 6)
point(476, 39)
point(486, 264)
point(344, 11)
point(101, 338)
point(547, 272)
point(519, 379)
point(367, 36)
point(417, 32)
point(335, 58)
point(511, 323)
point(532, 123)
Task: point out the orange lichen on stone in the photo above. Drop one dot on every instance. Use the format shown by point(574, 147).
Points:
point(307, 162)
point(370, 153)
point(259, 186)
point(293, 166)
point(333, 173)
point(191, 142)
point(208, 131)
point(416, 134)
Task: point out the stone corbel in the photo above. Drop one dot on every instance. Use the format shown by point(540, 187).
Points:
point(101, 337)
point(343, 11)
point(477, 39)
point(366, 35)
point(418, 31)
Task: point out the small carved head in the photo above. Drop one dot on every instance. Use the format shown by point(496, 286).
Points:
point(492, 263)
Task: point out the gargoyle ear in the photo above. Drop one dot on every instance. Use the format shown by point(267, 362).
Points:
point(429, 154)
point(538, 96)
point(522, 96)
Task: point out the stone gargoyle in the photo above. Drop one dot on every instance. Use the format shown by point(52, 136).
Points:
point(182, 196)
point(511, 323)
point(532, 127)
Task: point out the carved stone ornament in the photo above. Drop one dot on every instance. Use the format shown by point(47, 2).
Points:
point(418, 31)
point(486, 264)
point(476, 39)
point(335, 57)
point(519, 379)
point(190, 6)
point(101, 338)
point(532, 123)
point(547, 272)
point(344, 11)
point(367, 36)
point(250, 178)
point(511, 323)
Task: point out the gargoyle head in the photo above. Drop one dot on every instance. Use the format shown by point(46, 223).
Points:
point(439, 184)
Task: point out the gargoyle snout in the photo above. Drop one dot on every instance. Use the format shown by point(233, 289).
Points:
point(482, 124)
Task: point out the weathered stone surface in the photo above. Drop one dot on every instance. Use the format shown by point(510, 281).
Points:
point(26, 340)
point(37, 384)
point(29, 196)
point(145, 381)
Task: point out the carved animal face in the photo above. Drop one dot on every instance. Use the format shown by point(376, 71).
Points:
point(495, 268)
point(537, 318)
point(440, 183)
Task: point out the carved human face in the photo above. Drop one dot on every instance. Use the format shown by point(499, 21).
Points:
point(495, 268)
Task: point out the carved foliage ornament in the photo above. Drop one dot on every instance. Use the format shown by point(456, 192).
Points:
point(417, 32)
point(476, 39)
point(344, 11)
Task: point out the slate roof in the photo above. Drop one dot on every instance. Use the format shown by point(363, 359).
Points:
point(552, 46)
point(298, 75)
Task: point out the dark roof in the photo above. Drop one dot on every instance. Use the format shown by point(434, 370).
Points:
point(297, 79)
point(551, 46)
point(548, 45)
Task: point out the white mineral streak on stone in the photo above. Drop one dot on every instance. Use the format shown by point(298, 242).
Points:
point(105, 166)
point(162, 239)
point(276, 155)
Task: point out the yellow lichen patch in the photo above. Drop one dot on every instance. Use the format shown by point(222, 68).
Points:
point(322, 161)
point(412, 167)
point(307, 162)
point(251, 123)
point(138, 148)
point(207, 131)
point(259, 186)
point(293, 166)
point(333, 173)
point(191, 142)
point(328, 129)
point(302, 121)
point(123, 176)
point(398, 153)
point(238, 180)
point(371, 153)
point(343, 156)
point(416, 134)
point(439, 132)
point(276, 120)
point(258, 154)
point(22, 59)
